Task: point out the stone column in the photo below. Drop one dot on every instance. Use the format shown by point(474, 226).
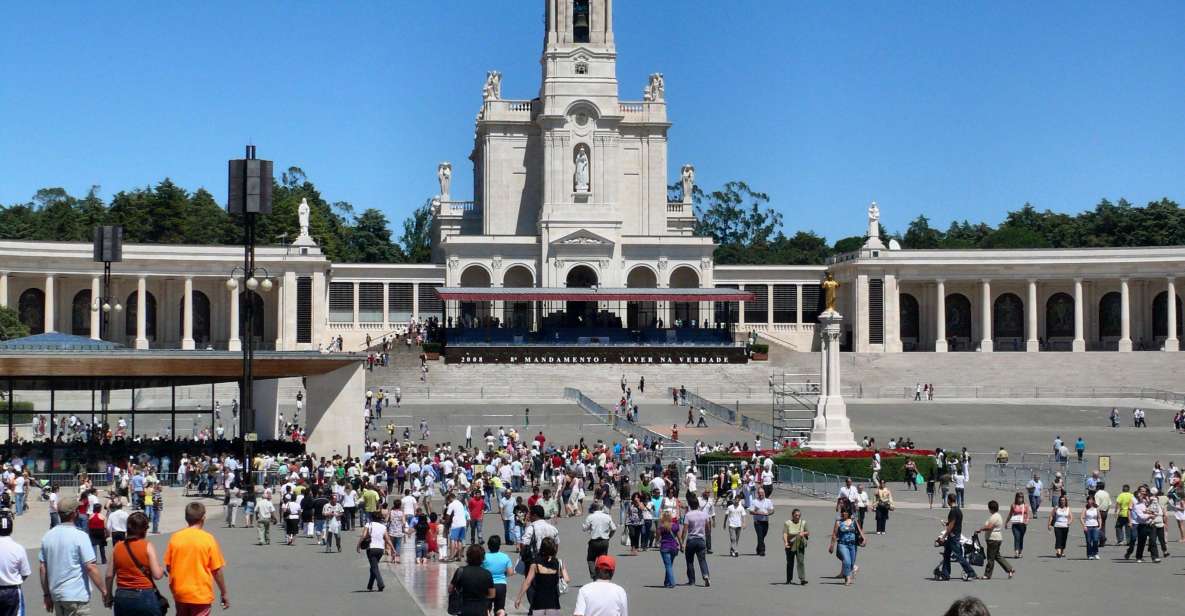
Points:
point(798, 308)
point(355, 305)
point(1170, 341)
point(1032, 344)
point(831, 431)
point(1079, 339)
point(985, 325)
point(3, 289)
point(280, 306)
point(386, 306)
point(891, 314)
point(1125, 317)
point(50, 303)
point(232, 343)
point(320, 302)
point(187, 316)
point(862, 307)
point(96, 308)
point(940, 317)
point(142, 313)
point(288, 314)
point(769, 306)
point(415, 301)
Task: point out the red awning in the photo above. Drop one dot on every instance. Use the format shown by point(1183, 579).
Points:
point(531, 294)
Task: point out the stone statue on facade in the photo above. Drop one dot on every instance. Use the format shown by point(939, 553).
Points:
point(874, 227)
point(302, 214)
point(830, 292)
point(444, 175)
point(687, 177)
point(492, 90)
point(582, 175)
point(655, 90)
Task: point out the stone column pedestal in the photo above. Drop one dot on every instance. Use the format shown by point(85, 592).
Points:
point(832, 430)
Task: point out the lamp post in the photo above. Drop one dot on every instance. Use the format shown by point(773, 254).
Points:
point(108, 249)
point(249, 194)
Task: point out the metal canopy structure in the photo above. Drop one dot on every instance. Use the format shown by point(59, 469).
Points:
point(591, 294)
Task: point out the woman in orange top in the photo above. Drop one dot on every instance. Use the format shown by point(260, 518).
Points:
point(134, 593)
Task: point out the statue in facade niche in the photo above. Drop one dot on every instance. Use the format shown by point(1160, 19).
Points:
point(582, 174)
point(655, 90)
point(874, 219)
point(302, 214)
point(444, 175)
point(492, 90)
point(687, 177)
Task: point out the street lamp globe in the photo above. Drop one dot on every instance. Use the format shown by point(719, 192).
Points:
point(118, 308)
point(266, 285)
point(252, 283)
point(232, 284)
point(106, 307)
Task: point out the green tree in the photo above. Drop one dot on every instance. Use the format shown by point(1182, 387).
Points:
point(849, 244)
point(741, 222)
point(1009, 236)
point(369, 240)
point(920, 235)
point(804, 247)
point(10, 324)
point(416, 242)
point(59, 220)
point(19, 222)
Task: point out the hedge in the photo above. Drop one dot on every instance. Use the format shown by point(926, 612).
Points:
point(431, 347)
point(759, 348)
point(892, 465)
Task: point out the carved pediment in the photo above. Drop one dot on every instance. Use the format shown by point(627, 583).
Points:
point(582, 238)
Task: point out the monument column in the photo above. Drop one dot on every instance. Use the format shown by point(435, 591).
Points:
point(232, 343)
point(1170, 341)
point(96, 308)
point(831, 431)
point(141, 313)
point(1125, 317)
point(49, 304)
point(187, 317)
point(985, 325)
point(1032, 344)
point(940, 317)
point(1079, 340)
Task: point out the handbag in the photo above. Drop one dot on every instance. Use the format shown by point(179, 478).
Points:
point(160, 599)
point(560, 584)
point(455, 600)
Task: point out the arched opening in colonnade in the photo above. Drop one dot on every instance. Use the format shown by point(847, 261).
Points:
point(581, 314)
point(1110, 316)
point(473, 314)
point(30, 307)
point(1059, 321)
point(1008, 323)
point(518, 314)
point(910, 316)
point(685, 314)
point(958, 322)
point(80, 313)
point(641, 315)
point(1160, 321)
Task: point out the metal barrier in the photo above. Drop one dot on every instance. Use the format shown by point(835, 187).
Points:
point(794, 479)
point(723, 413)
point(1040, 391)
point(1016, 477)
point(671, 449)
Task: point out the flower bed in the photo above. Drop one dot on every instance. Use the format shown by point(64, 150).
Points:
point(849, 463)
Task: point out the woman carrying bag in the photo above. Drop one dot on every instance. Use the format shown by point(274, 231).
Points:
point(132, 573)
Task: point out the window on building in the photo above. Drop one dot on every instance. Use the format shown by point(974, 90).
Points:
point(304, 310)
point(757, 311)
point(399, 302)
point(785, 303)
point(341, 302)
point(370, 302)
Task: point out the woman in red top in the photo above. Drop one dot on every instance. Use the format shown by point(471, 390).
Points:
point(129, 586)
point(96, 527)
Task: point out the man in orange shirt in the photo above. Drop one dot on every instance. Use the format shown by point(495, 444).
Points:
point(192, 559)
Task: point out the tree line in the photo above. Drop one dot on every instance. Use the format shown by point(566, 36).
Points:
point(169, 214)
point(749, 231)
point(746, 228)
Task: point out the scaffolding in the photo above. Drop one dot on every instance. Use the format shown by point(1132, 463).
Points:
point(795, 396)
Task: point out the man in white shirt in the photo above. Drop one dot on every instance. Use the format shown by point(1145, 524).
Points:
point(456, 530)
point(14, 569)
point(600, 528)
point(117, 522)
point(602, 597)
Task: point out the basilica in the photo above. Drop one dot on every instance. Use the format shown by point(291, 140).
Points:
point(571, 191)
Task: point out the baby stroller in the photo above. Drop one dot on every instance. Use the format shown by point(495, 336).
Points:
point(972, 550)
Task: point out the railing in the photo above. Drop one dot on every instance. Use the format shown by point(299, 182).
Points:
point(464, 207)
point(723, 413)
point(1039, 391)
point(671, 449)
point(632, 107)
point(1015, 477)
point(795, 479)
point(675, 207)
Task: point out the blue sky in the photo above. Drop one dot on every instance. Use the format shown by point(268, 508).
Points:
point(954, 110)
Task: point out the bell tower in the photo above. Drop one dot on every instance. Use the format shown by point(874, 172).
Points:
point(577, 22)
point(579, 55)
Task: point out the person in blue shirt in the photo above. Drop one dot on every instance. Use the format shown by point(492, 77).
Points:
point(500, 566)
point(67, 559)
point(1080, 447)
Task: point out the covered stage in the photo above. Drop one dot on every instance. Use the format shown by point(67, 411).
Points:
point(591, 325)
